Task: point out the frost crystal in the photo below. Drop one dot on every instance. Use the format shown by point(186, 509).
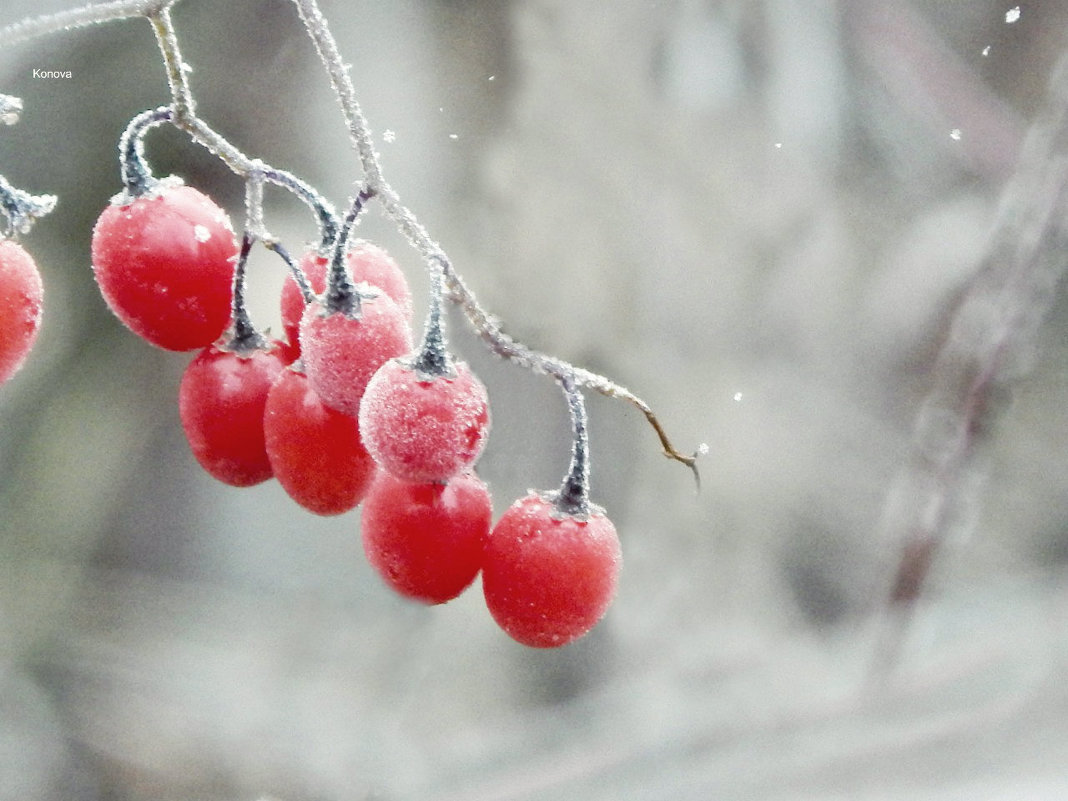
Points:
point(986, 50)
point(955, 134)
point(201, 233)
point(1012, 15)
point(389, 136)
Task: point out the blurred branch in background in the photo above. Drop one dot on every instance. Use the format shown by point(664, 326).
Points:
point(990, 344)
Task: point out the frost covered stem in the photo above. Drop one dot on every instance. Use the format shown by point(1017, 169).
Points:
point(245, 337)
point(172, 61)
point(21, 208)
point(10, 109)
point(574, 496)
point(341, 295)
point(508, 348)
point(306, 292)
point(92, 14)
point(324, 211)
point(326, 46)
point(405, 220)
point(137, 178)
point(433, 360)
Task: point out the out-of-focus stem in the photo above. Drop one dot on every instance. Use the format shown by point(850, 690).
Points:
point(994, 325)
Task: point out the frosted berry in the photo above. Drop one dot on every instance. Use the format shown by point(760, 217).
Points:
point(424, 428)
point(340, 353)
point(426, 540)
point(366, 263)
point(221, 402)
point(549, 577)
point(164, 264)
point(21, 298)
point(315, 451)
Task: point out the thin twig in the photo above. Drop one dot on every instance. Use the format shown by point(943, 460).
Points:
point(433, 255)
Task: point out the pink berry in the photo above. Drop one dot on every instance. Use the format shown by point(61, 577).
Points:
point(221, 402)
point(315, 451)
point(165, 263)
point(424, 428)
point(366, 262)
point(548, 577)
point(426, 540)
point(21, 299)
point(341, 353)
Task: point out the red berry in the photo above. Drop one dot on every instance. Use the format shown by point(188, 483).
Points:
point(341, 353)
point(221, 402)
point(165, 263)
point(424, 428)
point(549, 577)
point(366, 262)
point(426, 540)
point(21, 298)
point(314, 450)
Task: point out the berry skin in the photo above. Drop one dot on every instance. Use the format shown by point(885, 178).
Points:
point(341, 353)
point(424, 428)
point(426, 540)
point(366, 262)
point(21, 299)
point(165, 263)
point(221, 402)
point(548, 578)
point(315, 451)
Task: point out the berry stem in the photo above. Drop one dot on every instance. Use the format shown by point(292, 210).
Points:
point(433, 360)
point(21, 208)
point(573, 498)
point(245, 338)
point(137, 178)
point(341, 295)
point(306, 292)
point(324, 211)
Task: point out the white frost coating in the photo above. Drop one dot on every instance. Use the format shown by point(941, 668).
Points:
point(201, 233)
point(1012, 15)
point(424, 430)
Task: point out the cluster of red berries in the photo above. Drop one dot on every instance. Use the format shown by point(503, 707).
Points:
point(345, 411)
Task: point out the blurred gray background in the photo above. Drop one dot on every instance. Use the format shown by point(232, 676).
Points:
point(756, 214)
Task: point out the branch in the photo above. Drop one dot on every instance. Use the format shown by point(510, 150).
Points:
point(92, 14)
point(997, 320)
point(435, 258)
